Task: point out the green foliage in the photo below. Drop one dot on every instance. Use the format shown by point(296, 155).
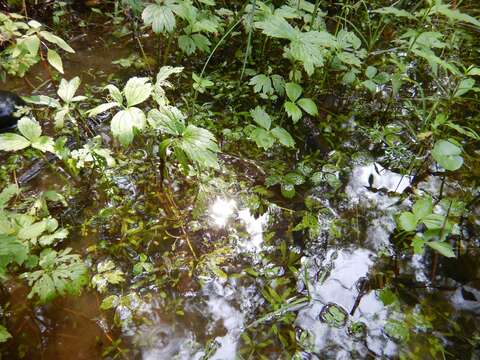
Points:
point(32, 136)
point(60, 273)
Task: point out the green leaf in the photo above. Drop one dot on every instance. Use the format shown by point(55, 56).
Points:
point(115, 94)
point(434, 221)
point(407, 221)
point(293, 91)
point(102, 108)
point(124, 122)
point(283, 136)
point(418, 245)
point(55, 60)
point(447, 155)
point(54, 39)
point(288, 190)
point(43, 100)
point(4, 334)
point(455, 15)
point(160, 17)
point(349, 58)
point(110, 302)
point(263, 138)
point(276, 26)
point(44, 144)
point(61, 273)
point(443, 248)
point(423, 207)
point(29, 128)
point(293, 178)
point(464, 87)
point(67, 89)
point(187, 44)
point(308, 106)
point(293, 111)
point(390, 10)
point(200, 146)
point(12, 250)
point(13, 142)
point(7, 194)
point(261, 117)
point(169, 120)
point(32, 231)
point(261, 84)
point(137, 90)
point(32, 43)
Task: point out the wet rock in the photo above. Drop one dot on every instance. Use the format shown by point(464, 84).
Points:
point(8, 105)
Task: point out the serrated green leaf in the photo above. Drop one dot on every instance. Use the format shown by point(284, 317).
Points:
point(293, 91)
point(29, 128)
point(4, 334)
point(262, 138)
point(423, 207)
point(283, 136)
point(308, 106)
point(293, 111)
point(160, 17)
point(261, 117)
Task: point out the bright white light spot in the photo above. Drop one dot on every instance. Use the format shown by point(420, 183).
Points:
point(221, 211)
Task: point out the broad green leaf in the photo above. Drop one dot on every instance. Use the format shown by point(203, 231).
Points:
point(125, 121)
point(4, 334)
point(55, 60)
point(160, 17)
point(110, 302)
point(32, 231)
point(261, 117)
point(137, 90)
point(464, 87)
point(32, 43)
point(44, 144)
point(167, 121)
point(308, 106)
point(407, 221)
point(67, 89)
point(29, 128)
point(277, 27)
point(42, 100)
point(262, 138)
point(434, 221)
point(54, 39)
point(423, 207)
point(13, 142)
point(293, 111)
point(293, 91)
point(447, 155)
point(283, 136)
point(200, 146)
point(443, 248)
point(202, 42)
point(47, 240)
point(293, 178)
point(12, 250)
